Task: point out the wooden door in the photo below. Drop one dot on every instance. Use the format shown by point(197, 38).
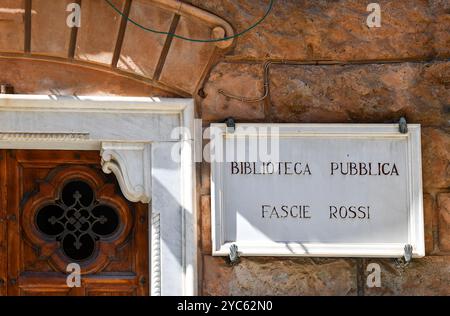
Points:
point(58, 208)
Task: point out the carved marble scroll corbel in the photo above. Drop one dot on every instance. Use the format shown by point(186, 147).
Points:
point(131, 164)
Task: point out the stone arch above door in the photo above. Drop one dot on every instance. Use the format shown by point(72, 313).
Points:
point(37, 30)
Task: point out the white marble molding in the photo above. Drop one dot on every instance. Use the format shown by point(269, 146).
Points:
point(134, 137)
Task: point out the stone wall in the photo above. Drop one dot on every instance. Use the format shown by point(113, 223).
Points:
point(336, 69)
point(327, 66)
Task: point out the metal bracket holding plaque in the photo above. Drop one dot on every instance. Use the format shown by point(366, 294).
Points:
point(406, 259)
point(234, 256)
point(231, 124)
point(334, 190)
point(403, 126)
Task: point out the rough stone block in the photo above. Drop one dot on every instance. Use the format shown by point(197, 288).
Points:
point(428, 276)
point(441, 39)
point(244, 80)
point(279, 276)
point(435, 158)
point(361, 93)
point(430, 221)
point(205, 207)
point(444, 222)
point(300, 30)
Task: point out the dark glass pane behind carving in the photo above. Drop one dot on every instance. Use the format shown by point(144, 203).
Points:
point(108, 227)
point(77, 220)
point(69, 190)
point(46, 226)
point(85, 251)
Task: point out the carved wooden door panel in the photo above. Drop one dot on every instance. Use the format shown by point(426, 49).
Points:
point(58, 208)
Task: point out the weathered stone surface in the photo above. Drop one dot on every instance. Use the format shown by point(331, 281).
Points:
point(435, 158)
point(279, 276)
point(205, 208)
point(361, 93)
point(97, 35)
point(216, 276)
point(141, 50)
point(50, 34)
point(353, 93)
point(430, 221)
point(43, 77)
point(243, 80)
point(441, 40)
point(444, 222)
point(205, 173)
point(294, 30)
point(12, 26)
point(187, 61)
point(328, 29)
point(297, 30)
point(424, 276)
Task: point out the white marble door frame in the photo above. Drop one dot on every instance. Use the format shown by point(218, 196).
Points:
point(136, 139)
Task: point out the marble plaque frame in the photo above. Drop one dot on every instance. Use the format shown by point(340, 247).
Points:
point(135, 138)
point(221, 247)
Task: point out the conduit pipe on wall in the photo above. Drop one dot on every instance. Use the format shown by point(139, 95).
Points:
point(267, 65)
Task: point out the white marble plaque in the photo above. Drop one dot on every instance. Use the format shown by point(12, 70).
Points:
point(324, 190)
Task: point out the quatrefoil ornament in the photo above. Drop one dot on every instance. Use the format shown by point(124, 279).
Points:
point(76, 216)
point(77, 220)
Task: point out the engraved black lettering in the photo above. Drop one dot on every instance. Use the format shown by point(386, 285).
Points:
point(307, 170)
point(247, 168)
point(351, 210)
point(274, 213)
point(363, 168)
point(306, 212)
point(234, 168)
point(285, 211)
point(333, 211)
point(264, 211)
point(394, 170)
point(334, 167)
point(291, 211)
